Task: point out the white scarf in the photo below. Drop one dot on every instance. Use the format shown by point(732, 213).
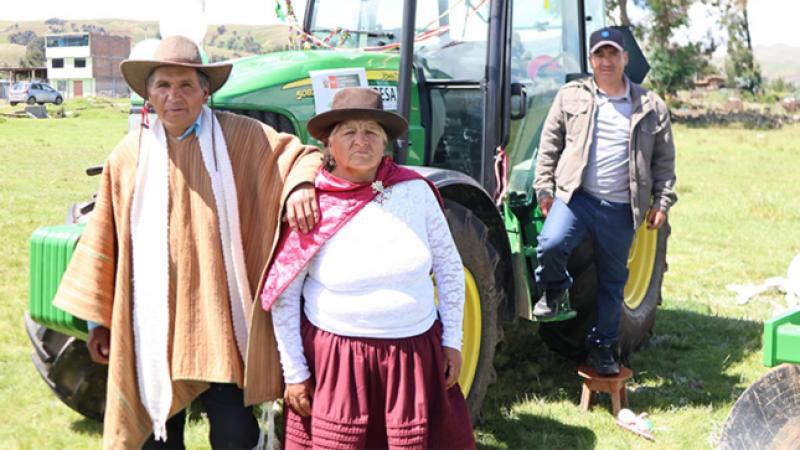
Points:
point(150, 239)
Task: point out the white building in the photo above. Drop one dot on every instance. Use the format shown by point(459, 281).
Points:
point(86, 64)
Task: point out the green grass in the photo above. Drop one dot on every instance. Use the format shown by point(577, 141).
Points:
point(736, 222)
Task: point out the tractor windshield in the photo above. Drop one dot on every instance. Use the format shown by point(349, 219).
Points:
point(450, 41)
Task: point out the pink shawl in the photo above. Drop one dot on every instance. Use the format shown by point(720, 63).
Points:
point(339, 200)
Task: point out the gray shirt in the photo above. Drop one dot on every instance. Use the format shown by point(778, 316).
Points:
point(607, 173)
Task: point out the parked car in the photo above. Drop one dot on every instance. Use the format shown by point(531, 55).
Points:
point(34, 92)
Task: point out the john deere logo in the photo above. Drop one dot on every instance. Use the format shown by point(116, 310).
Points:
point(604, 34)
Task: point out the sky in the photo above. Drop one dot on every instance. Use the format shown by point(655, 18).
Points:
point(771, 21)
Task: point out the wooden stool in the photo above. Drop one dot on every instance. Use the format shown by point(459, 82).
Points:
point(614, 385)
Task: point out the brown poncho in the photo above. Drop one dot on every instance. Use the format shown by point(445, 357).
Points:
point(266, 166)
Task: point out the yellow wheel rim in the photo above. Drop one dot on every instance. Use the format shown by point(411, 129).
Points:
point(641, 259)
point(471, 347)
point(471, 344)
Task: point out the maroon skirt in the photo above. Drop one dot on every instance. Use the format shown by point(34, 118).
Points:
point(379, 393)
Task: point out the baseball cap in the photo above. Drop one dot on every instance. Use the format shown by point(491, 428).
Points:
point(607, 36)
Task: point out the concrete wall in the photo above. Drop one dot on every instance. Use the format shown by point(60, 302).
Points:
point(107, 53)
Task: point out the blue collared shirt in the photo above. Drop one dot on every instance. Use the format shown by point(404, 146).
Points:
point(193, 128)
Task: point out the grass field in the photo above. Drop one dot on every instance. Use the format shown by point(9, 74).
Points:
point(736, 222)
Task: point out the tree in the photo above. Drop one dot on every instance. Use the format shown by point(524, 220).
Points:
point(22, 37)
point(740, 66)
point(250, 45)
point(55, 24)
point(34, 54)
point(675, 67)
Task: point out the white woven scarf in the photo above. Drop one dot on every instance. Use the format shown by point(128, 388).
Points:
point(150, 239)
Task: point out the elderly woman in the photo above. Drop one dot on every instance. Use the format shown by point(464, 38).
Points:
point(368, 359)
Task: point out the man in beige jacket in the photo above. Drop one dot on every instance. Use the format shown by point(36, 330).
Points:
point(186, 218)
point(606, 163)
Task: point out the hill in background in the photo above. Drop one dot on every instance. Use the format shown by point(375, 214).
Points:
point(221, 42)
point(233, 41)
point(779, 61)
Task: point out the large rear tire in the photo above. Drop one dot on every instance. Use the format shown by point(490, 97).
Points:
point(64, 364)
point(484, 295)
point(647, 264)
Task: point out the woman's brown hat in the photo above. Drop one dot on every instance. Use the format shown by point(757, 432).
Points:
point(356, 104)
point(173, 51)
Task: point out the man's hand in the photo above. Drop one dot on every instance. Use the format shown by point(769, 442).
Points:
point(545, 204)
point(452, 366)
point(298, 397)
point(302, 211)
point(99, 344)
point(656, 219)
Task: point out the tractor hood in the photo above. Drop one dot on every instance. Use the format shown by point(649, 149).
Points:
point(289, 71)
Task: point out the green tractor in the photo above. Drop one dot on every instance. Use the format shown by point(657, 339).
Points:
point(475, 78)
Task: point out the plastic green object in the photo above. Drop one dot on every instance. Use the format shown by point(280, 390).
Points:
point(51, 249)
point(565, 312)
point(782, 339)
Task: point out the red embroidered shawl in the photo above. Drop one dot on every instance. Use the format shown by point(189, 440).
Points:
point(339, 200)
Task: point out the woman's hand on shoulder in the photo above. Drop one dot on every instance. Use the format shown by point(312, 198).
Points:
point(298, 396)
point(452, 366)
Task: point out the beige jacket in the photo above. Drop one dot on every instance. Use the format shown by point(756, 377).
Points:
point(567, 138)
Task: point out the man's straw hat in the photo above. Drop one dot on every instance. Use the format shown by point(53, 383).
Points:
point(172, 51)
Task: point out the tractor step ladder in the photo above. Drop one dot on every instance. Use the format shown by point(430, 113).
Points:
point(530, 223)
point(565, 311)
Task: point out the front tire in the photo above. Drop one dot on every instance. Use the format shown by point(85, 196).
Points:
point(484, 294)
point(647, 265)
point(58, 100)
point(64, 364)
point(31, 101)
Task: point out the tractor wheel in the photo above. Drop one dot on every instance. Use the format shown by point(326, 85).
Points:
point(31, 101)
point(64, 364)
point(767, 414)
point(647, 263)
point(484, 294)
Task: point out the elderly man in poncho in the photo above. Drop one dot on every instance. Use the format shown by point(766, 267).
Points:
point(185, 221)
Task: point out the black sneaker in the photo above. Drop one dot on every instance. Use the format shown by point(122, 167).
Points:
point(601, 358)
point(549, 303)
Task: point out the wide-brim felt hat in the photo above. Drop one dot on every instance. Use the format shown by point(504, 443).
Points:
point(356, 103)
point(177, 51)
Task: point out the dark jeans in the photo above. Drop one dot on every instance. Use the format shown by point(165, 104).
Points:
point(611, 227)
point(232, 426)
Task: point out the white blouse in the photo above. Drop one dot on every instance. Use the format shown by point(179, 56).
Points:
point(372, 278)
